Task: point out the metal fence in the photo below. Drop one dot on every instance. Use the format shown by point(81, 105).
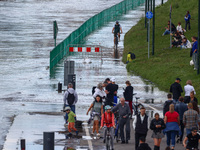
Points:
point(95, 22)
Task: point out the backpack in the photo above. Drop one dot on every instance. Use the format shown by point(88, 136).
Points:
point(133, 56)
point(93, 90)
point(70, 98)
point(166, 106)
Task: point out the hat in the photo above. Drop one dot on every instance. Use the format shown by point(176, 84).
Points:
point(178, 79)
point(67, 108)
point(112, 79)
point(194, 129)
point(117, 21)
point(107, 107)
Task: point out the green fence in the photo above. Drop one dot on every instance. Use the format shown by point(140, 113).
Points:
point(95, 22)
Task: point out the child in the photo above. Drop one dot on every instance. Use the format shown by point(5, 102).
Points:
point(193, 140)
point(107, 121)
point(71, 120)
point(97, 110)
point(143, 145)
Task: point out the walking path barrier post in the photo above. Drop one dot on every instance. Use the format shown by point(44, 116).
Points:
point(68, 69)
point(23, 144)
point(48, 141)
point(149, 15)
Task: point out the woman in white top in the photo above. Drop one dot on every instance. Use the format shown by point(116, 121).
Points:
point(99, 91)
point(188, 89)
point(179, 28)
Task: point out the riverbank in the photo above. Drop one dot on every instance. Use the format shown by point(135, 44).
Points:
point(167, 64)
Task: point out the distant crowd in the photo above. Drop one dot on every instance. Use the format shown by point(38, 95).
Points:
point(179, 113)
point(180, 40)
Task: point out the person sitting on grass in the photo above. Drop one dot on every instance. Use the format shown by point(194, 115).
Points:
point(143, 145)
point(186, 43)
point(97, 110)
point(179, 28)
point(71, 120)
point(192, 140)
point(167, 31)
point(107, 121)
point(177, 40)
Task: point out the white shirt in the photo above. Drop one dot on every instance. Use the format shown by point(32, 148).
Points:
point(189, 88)
point(179, 28)
point(142, 119)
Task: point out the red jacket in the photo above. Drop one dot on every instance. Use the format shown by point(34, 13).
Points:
point(107, 119)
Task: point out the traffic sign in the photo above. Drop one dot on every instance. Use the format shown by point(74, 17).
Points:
point(149, 15)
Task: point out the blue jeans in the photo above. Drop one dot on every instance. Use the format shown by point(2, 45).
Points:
point(72, 109)
point(166, 32)
point(171, 135)
point(115, 101)
point(188, 131)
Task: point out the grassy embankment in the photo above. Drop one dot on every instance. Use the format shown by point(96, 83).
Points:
point(167, 64)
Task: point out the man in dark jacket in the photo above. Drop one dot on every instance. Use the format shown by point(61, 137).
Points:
point(167, 103)
point(110, 91)
point(143, 145)
point(141, 126)
point(176, 89)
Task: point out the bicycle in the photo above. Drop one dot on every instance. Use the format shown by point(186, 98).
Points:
point(136, 106)
point(108, 139)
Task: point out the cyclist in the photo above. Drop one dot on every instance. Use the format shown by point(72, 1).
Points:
point(116, 30)
point(107, 121)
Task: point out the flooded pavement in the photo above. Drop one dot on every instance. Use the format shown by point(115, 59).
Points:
point(29, 102)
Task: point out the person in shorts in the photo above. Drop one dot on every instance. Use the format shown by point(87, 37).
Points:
point(193, 140)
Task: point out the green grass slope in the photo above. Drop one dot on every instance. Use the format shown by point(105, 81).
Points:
point(167, 64)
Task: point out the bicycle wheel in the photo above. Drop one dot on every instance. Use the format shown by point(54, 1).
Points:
point(107, 143)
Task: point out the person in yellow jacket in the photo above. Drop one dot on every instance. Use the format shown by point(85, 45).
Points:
point(129, 58)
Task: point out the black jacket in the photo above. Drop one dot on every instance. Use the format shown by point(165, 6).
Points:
point(176, 90)
point(144, 146)
point(155, 122)
point(128, 93)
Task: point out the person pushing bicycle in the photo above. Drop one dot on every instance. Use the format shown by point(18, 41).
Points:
point(116, 30)
point(108, 122)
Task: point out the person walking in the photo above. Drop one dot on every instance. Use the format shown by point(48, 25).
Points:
point(188, 88)
point(194, 52)
point(157, 125)
point(167, 103)
point(110, 91)
point(190, 118)
point(176, 89)
point(71, 120)
point(180, 108)
point(124, 119)
point(97, 110)
point(141, 126)
point(172, 122)
point(128, 95)
point(192, 98)
point(70, 99)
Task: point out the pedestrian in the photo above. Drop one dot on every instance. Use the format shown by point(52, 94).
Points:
point(110, 91)
point(167, 103)
point(97, 111)
point(124, 119)
point(107, 121)
point(71, 120)
point(99, 91)
point(195, 107)
point(180, 108)
point(192, 140)
point(176, 89)
point(141, 125)
point(172, 122)
point(193, 98)
point(143, 145)
point(128, 95)
point(70, 99)
point(187, 20)
point(157, 125)
point(190, 118)
point(188, 88)
point(194, 52)
point(115, 90)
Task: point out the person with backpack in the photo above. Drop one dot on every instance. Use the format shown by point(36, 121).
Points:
point(167, 103)
point(130, 57)
point(97, 110)
point(116, 30)
point(70, 99)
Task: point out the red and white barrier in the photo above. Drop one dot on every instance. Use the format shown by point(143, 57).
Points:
point(84, 49)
